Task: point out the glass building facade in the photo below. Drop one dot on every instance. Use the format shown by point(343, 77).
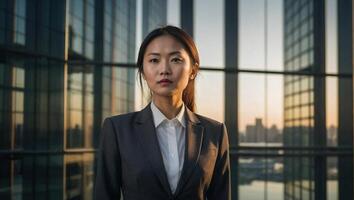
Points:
point(66, 65)
point(299, 93)
point(55, 90)
point(312, 177)
point(32, 99)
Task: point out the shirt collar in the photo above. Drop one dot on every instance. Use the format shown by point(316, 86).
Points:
point(159, 117)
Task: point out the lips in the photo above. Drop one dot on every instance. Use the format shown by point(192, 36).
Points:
point(164, 81)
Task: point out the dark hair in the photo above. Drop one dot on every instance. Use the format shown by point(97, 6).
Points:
point(186, 40)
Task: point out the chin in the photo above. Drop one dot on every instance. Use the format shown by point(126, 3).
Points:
point(166, 93)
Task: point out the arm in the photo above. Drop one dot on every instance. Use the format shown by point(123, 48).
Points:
point(220, 186)
point(108, 174)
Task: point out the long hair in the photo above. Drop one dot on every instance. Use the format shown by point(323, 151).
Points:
point(188, 95)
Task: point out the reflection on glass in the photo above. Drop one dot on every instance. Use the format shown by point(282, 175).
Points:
point(76, 8)
point(79, 176)
point(77, 43)
point(298, 177)
point(78, 27)
point(89, 51)
point(18, 77)
point(332, 178)
point(20, 22)
point(80, 107)
point(17, 99)
point(88, 129)
point(81, 27)
point(18, 179)
point(18, 130)
point(74, 180)
point(75, 132)
point(260, 177)
point(75, 100)
point(88, 102)
point(331, 43)
point(298, 110)
point(88, 174)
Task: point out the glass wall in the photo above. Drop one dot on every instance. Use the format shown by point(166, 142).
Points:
point(49, 91)
point(288, 108)
point(66, 65)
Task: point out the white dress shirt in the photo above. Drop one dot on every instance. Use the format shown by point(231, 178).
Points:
point(171, 138)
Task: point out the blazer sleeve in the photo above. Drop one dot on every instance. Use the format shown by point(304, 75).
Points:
point(220, 186)
point(108, 174)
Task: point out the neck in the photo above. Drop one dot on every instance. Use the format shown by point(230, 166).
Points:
point(169, 106)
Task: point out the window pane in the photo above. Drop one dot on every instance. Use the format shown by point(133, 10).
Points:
point(332, 111)
point(210, 91)
point(261, 109)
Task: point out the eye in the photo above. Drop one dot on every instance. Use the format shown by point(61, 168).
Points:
point(154, 60)
point(177, 60)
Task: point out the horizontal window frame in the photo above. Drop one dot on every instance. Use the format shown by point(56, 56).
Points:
point(226, 69)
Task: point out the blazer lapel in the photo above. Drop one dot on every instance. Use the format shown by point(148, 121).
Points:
point(150, 145)
point(194, 137)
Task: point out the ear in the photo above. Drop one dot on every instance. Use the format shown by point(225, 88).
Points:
point(193, 72)
point(192, 76)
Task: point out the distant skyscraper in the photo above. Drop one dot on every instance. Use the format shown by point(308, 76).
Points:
point(304, 104)
point(251, 133)
point(258, 133)
point(255, 133)
point(274, 135)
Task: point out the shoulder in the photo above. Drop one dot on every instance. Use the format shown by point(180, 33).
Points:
point(208, 121)
point(212, 127)
point(129, 120)
point(214, 130)
point(122, 118)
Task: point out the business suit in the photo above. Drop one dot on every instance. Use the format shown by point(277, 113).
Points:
point(130, 159)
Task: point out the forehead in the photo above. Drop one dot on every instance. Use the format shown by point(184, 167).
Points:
point(165, 44)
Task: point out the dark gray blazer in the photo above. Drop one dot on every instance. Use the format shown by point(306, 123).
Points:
point(130, 160)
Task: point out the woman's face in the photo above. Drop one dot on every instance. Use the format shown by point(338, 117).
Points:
point(166, 67)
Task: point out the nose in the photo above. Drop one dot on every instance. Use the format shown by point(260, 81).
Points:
point(165, 68)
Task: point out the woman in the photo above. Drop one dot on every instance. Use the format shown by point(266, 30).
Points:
point(164, 151)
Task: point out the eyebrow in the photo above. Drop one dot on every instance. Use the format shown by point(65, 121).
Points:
point(171, 53)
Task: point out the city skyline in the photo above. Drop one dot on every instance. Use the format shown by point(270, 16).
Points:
point(268, 134)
